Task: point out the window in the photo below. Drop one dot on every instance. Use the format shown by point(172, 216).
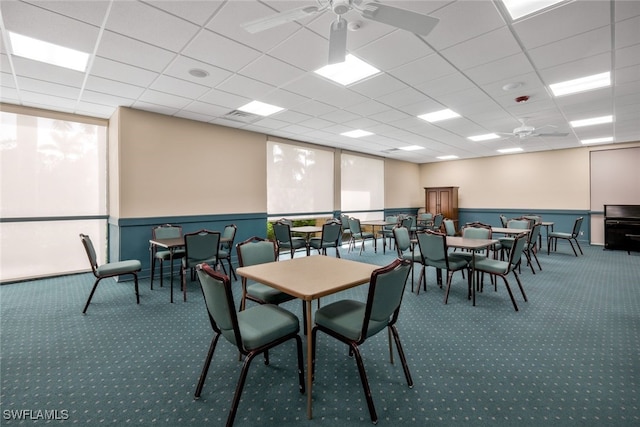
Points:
point(299, 180)
point(362, 192)
point(53, 188)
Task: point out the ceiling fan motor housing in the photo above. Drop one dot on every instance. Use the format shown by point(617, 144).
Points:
point(340, 7)
point(523, 131)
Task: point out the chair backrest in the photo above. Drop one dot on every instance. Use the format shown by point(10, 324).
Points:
point(437, 221)
point(166, 231)
point(406, 222)
point(402, 238)
point(537, 219)
point(229, 233)
point(433, 245)
point(476, 230)
point(533, 235)
point(449, 227)
point(256, 250)
point(202, 245)
point(218, 298)
point(91, 251)
point(354, 226)
point(519, 223)
point(576, 227)
point(331, 231)
point(386, 289)
point(393, 220)
point(282, 231)
point(519, 243)
point(504, 221)
point(425, 216)
point(412, 223)
point(344, 219)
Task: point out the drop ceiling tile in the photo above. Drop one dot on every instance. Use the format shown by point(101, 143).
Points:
point(463, 20)
point(129, 51)
point(483, 49)
point(424, 69)
point(502, 70)
point(114, 88)
point(205, 109)
point(340, 116)
point(196, 11)
point(155, 108)
point(378, 85)
point(283, 98)
point(164, 99)
point(31, 21)
point(45, 72)
point(628, 56)
point(150, 25)
point(315, 108)
point(590, 65)
point(95, 110)
point(171, 85)
point(224, 99)
point(47, 88)
point(571, 49)
point(394, 49)
point(244, 86)
point(562, 22)
point(181, 66)
point(367, 108)
point(92, 97)
point(443, 85)
point(219, 51)
point(92, 12)
point(117, 71)
point(271, 70)
point(408, 96)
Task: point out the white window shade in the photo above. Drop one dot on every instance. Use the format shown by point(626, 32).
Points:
point(299, 179)
point(362, 183)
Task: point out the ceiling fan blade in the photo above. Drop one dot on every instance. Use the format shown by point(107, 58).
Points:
point(338, 41)
point(280, 18)
point(551, 134)
point(404, 19)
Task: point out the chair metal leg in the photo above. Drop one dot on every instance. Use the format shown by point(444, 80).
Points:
point(205, 368)
point(403, 359)
point(365, 383)
point(300, 364)
point(95, 285)
point(135, 281)
point(153, 269)
point(513, 300)
point(520, 286)
point(239, 388)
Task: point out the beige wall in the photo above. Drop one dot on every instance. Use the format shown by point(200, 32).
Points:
point(401, 185)
point(171, 166)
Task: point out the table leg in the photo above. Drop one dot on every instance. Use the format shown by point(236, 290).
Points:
point(473, 277)
point(309, 358)
point(171, 268)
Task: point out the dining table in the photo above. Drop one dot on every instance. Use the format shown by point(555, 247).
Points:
point(310, 278)
point(472, 245)
point(377, 223)
point(172, 245)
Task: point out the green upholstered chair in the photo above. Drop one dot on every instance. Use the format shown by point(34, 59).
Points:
point(166, 231)
point(253, 331)
point(226, 246)
point(425, 220)
point(406, 249)
point(387, 232)
point(346, 231)
point(201, 246)
point(475, 230)
point(437, 222)
point(110, 269)
point(506, 243)
point(435, 253)
point(449, 227)
point(330, 237)
point(284, 239)
point(530, 247)
point(573, 236)
point(353, 322)
point(500, 268)
point(504, 220)
point(358, 234)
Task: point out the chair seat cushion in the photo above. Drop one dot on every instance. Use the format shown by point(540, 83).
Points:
point(455, 263)
point(317, 243)
point(262, 324)
point(560, 235)
point(412, 256)
point(223, 253)
point(296, 243)
point(492, 266)
point(119, 267)
point(267, 294)
point(166, 255)
point(345, 317)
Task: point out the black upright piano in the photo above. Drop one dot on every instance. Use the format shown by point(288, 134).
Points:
point(622, 227)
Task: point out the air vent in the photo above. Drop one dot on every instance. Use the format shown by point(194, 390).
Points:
point(242, 116)
point(391, 150)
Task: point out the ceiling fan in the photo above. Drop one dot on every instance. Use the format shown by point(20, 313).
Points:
point(525, 131)
point(400, 18)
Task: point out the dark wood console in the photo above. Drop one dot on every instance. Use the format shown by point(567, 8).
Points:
point(622, 227)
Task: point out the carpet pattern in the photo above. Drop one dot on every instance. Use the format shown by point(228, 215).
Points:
point(570, 356)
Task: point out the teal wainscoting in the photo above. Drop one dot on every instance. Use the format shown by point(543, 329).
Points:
point(563, 219)
point(129, 237)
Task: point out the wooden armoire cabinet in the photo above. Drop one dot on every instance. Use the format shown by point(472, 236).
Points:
point(442, 200)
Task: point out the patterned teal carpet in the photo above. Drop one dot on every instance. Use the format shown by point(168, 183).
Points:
point(570, 356)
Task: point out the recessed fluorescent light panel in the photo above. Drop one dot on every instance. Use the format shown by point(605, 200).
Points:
point(597, 140)
point(485, 137)
point(510, 150)
point(412, 148)
point(358, 133)
point(451, 157)
point(50, 53)
point(437, 116)
point(350, 71)
point(260, 108)
point(582, 84)
point(592, 121)
point(519, 8)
